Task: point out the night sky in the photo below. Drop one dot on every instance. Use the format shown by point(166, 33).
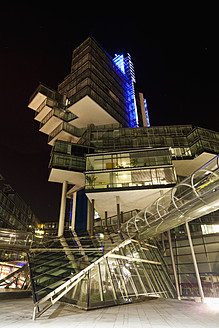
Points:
point(175, 58)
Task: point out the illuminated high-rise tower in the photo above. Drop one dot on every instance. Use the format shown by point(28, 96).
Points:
point(137, 107)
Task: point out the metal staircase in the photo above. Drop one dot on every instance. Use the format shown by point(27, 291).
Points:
point(56, 262)
point(128, 272)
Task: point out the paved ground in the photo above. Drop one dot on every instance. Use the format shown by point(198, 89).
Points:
point(149, 314)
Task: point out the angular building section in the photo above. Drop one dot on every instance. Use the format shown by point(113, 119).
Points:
point(138, 194)
point(95, 83)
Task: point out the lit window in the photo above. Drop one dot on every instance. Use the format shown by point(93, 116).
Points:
point(209, 228)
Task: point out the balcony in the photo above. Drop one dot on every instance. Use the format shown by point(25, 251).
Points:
point(66, 132)
point(54, 118)
point(44, 109)
point(41, 94)
point(67, 162)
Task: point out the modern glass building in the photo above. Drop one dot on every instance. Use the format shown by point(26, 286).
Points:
point(15, 215)
point(143, 204)
point(14, 212)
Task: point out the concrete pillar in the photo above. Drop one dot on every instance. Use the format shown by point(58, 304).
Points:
point(174, 266)
point(195, 264)
point(62, 209)
point(73, 211)
point(90, 216)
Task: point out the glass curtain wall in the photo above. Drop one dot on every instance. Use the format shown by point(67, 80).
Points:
point(121, 179)
point(130, 159)
point(205, 233)
point(116, 170)
point(185, 141)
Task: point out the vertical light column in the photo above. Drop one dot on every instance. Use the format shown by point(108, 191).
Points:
point(62, 209)
point(195, 264)
point(173, 265)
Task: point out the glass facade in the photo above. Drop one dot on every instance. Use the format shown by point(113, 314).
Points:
point(185, 141)
point(206, 247)
point(131, 159)
point(119, 170)
point(203, 140)
point(113, 138)
point(131, 178)
point(69, 156)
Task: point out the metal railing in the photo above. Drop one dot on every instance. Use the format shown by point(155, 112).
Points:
point(13, 239)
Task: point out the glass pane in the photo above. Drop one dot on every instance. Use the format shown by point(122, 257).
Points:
point(116, 278)
point(106, 283)
point(83, 296)
point(126, 267)
point(95, 287)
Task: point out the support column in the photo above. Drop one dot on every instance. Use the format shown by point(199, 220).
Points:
point(105, 220)
point(73, 211)
point(92, 218)
point(174, 266)
point(195, 264)
point(62, 209)
point(121, 217)
point(118, 212)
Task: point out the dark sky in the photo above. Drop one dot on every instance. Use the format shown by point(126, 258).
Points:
point(175, 57)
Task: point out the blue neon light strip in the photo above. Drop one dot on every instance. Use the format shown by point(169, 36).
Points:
point(119, 61)
point(126, 66)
